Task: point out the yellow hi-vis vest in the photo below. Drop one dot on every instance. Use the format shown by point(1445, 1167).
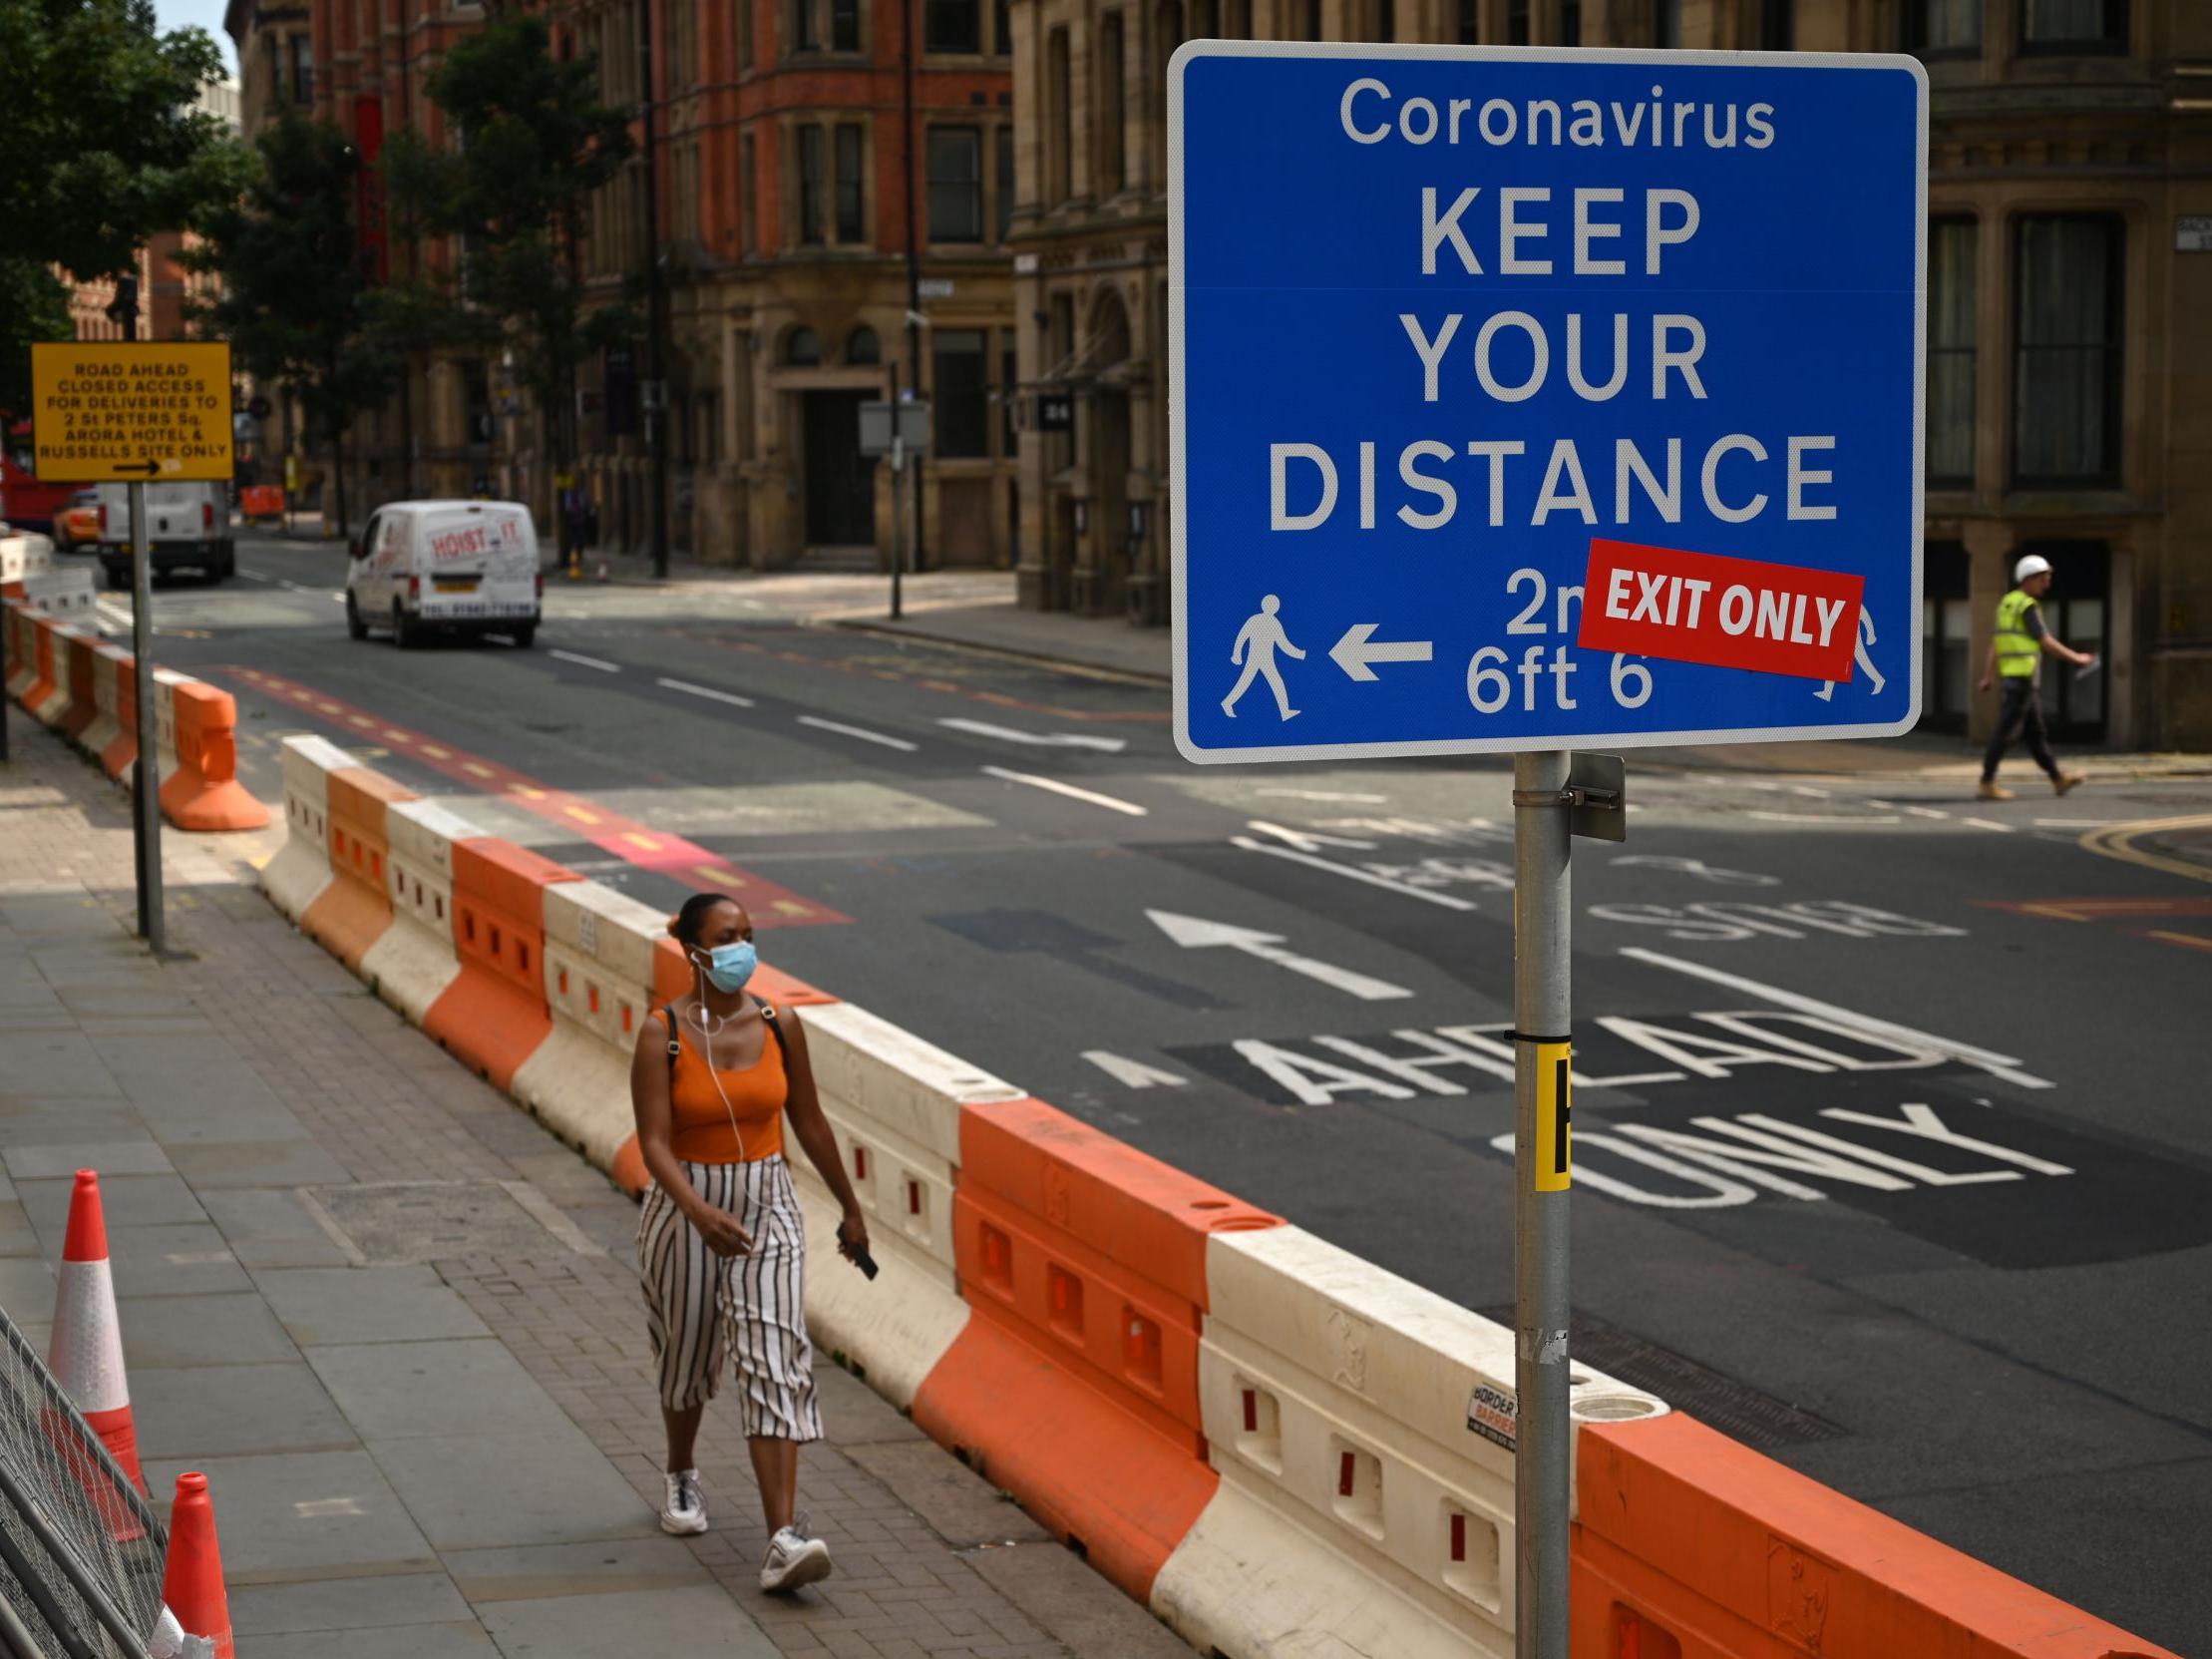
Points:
point(2017, 653)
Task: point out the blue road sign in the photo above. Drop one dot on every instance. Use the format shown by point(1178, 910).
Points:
point(1529, 399)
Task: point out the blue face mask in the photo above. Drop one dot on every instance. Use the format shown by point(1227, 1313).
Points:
point(728, 966)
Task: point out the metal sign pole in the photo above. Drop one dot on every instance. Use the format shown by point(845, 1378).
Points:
point(1541, 1170)
point(898, 516)
point(146, 771)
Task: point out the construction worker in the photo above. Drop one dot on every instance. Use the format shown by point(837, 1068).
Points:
point(2016, 655)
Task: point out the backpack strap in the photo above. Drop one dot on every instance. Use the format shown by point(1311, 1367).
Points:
point(768, 1013)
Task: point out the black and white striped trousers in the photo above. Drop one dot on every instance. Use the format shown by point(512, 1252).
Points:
point(700, 1307)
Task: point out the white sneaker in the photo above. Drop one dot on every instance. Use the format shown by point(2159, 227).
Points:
point(685, 1512)
point(794, 1559)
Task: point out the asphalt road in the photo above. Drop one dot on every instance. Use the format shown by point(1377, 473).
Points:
point(1893, 1154)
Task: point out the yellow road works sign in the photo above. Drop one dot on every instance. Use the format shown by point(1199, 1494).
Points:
point(1554, 1156)
point(147, 412)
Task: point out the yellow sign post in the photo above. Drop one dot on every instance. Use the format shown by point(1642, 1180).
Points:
point(143, 413)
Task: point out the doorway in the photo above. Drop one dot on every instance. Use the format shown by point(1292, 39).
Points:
point(840, 481)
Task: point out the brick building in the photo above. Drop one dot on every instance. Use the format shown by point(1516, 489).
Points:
point(2070, 303)
point(783, 233)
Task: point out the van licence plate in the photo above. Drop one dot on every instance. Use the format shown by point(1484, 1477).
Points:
point(456, 583)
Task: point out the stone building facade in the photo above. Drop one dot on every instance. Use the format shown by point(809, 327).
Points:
point(2069, 303)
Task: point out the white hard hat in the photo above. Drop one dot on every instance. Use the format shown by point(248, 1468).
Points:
point(2033, 564)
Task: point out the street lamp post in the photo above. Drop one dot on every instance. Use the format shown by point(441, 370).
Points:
point(656, 302)
point(913, 250)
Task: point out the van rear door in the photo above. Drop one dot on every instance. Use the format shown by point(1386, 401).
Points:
point(476, 563)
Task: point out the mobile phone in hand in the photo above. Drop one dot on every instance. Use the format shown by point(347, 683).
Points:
point(865, 1262)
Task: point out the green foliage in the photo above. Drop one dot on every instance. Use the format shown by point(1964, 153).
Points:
point(296, 301)
point(535, 144)
point(102, 144)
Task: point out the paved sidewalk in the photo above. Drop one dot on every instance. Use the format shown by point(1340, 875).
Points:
point(396, 1322)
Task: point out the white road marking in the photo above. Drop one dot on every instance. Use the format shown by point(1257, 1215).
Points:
point(1043, 740)
point(291, 587)
point(1132, 1073)
point(2073, 823)
point(339, 595)
point(1352, 872)
point(1197, 934)
point(1996, 1064)
point(707, 691)
point(1823, 818)
point(1809, 791)
point(1922, 811)
point(1326, 795)
point(255, 576)
point(1068, 789)
point(1988, 824)
point(860, 733)
point(115, 611)
point(587, 661)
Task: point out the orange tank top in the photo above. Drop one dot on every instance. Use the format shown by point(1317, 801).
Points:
point(756, 1096)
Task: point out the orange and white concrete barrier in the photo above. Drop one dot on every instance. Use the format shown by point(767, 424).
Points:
point(200, 724)
point(354, 911)
point(1278, 1447)
point(414, 962)
point(607, 963)
point(298, 876)
point(495, 1013)
point(195, 723)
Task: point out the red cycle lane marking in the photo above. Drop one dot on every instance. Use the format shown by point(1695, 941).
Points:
point(770, 905)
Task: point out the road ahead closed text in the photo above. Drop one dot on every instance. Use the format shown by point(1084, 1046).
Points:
point(1476, 317)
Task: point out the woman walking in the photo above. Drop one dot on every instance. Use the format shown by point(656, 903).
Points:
point(721, 1246)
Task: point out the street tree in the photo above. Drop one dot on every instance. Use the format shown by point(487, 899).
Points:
point(102, 144)
point(534, 143)
point(296, 302)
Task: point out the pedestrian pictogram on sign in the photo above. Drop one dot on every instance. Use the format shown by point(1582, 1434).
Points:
point(141, 413)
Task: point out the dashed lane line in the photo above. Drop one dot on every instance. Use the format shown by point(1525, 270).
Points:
point(1825, 818)
point(600, 663)
point(1040, 739)
point(860, 733)
point(1111, 803)
point(707, 691)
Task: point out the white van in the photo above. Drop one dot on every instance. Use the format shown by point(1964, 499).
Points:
point(465, 565)
point(187, 527)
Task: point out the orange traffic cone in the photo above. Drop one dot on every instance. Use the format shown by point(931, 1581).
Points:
point(85, 1353)
point(191, 1578)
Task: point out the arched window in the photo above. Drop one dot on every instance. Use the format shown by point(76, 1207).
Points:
point(863, 348)
point(803, 348)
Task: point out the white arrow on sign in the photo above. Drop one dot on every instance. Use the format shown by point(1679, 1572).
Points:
point(1043, 740)
point(1195, 933)
point(1356, 650)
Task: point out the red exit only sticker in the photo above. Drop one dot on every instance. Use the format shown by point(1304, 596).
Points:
point(1722, 613)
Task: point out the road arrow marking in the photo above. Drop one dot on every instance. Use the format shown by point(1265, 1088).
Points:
point(1355, 652)
point(1132, 1073)
point(1196, 933)
point(1042, 739)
